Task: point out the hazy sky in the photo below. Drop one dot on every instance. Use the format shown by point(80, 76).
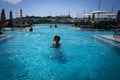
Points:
point(57, 7)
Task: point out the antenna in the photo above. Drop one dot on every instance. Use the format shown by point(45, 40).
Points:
point(112, 9)
point(69, 13)
point(50, 13)
point(99, 5)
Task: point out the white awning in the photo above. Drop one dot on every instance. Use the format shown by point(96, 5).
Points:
point(87, 14)
point(99, 11)
point(110, 14)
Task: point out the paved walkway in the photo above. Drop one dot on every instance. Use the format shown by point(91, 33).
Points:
point(2, 35)
point(111, 37)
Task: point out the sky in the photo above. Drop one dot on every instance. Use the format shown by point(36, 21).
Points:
point(76, 8)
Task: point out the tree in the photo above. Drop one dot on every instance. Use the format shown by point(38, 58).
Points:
point(118, 17)
point(3, 17)
point(11, 19)
point(11, 16)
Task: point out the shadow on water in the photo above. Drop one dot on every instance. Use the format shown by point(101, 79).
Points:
point(58, 55)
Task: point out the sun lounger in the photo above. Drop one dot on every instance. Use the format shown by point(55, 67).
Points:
point(117, 34)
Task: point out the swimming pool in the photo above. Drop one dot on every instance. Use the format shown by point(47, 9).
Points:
point(30, 55)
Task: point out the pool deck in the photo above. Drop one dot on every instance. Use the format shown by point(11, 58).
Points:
point(111, 37)
point(3, 35)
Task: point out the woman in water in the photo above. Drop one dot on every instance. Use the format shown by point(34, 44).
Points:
point(56, 41)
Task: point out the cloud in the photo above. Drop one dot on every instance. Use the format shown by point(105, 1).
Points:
point(13, 1)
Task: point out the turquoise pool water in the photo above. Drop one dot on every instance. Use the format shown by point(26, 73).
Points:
point(30, 55)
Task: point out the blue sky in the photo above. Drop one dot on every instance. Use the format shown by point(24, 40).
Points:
point(57, 7)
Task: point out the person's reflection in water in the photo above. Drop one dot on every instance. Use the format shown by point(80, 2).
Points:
point(58, 55)
point(54, 45)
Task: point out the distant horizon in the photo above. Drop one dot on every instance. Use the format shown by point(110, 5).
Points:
point(76, 8)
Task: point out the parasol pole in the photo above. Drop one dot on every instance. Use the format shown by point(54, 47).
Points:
point(99, 8)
